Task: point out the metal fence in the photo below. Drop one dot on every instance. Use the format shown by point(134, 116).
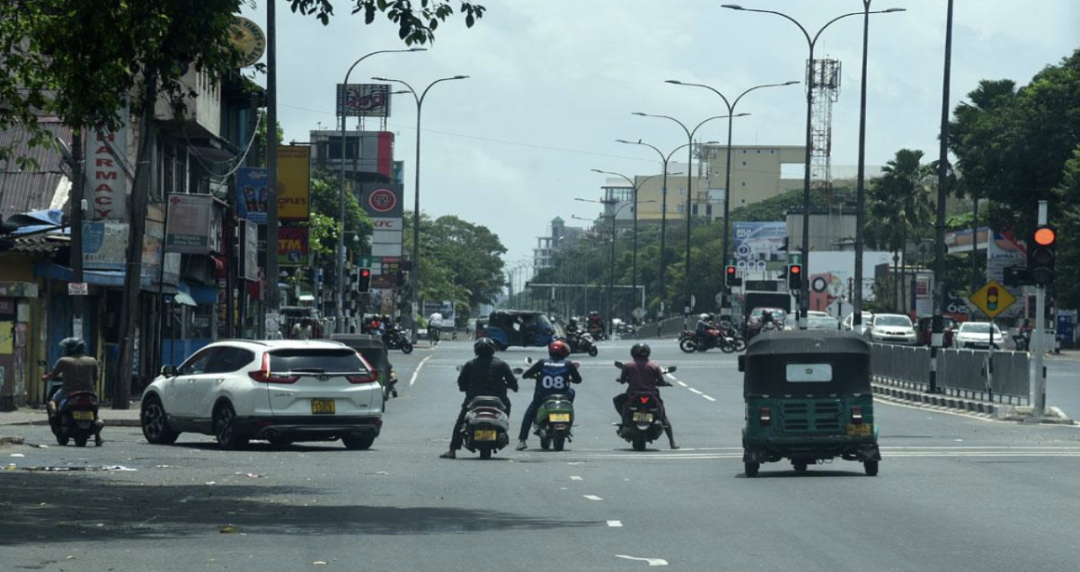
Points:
point(667, 328)
point(959, 372)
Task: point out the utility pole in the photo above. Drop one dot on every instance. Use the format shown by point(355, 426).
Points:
point(77, 185)
point(937, 337)
point(272, 299)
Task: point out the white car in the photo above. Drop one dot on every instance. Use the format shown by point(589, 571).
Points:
point(279, 390)
point(891, 329)
point(976, 335)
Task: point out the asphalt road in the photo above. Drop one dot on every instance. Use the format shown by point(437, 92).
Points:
point(955, 493)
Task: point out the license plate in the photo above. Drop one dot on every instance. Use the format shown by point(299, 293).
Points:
point(485, 435)
point(559, 417)
point(322, 406)
point(643, 417)
point(82, 415)
point(860, 430)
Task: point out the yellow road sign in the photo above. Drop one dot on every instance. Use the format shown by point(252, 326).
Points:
point(992, 298)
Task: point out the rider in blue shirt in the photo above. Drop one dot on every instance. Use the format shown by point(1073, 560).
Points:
point(553, 376)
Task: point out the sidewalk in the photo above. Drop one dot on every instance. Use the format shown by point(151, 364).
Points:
point(33, 416)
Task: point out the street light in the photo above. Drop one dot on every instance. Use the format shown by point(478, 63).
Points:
point(665, 159)
point(689, 192)
point(804, 293)
point(415, 268)
point(339, 293)
point(727, 169)
point(635, 186)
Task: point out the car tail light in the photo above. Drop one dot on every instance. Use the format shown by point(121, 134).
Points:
point(263, 374)
point(362, 378)
point(765, 417)
point(856, 414)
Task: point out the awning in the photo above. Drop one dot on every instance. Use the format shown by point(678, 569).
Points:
point(184, 298)
point(105, 278)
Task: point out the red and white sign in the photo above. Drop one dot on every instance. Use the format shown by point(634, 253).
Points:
point(78, 289)
point(106, 180)
point(387, 224)
point(382, 200)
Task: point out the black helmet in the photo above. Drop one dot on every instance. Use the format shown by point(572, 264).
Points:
point(484, 347)
point(640, 351)
point(73, 346)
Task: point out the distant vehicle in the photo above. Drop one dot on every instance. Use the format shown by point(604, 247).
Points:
point(976, 335)
point(924, 329)
point(822, 323)
point(861, 329)
point(279, 390)
point(891, 329)
point(508, 328)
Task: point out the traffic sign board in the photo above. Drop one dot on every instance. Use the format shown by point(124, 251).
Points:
point(992, 298)
point(78, 289)
point(638, 313)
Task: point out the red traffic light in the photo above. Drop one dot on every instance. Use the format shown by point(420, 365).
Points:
point(1045, 236)
point(796, 269)
point(731, 270)
point(365, 272)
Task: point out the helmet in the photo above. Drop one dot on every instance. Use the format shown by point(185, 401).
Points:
point(572, 322)
point(484, 347)
point(73, 346)
point(594, 313)
point(705, 317)
point(640, 351)
point(558, 349)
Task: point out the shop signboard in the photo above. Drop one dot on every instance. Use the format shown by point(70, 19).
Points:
point(294, 182)
point(106, 179)
point(251, 194)
point(190, 224)
point(249, 262)
point(293, 246)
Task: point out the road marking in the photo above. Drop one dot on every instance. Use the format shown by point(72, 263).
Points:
point(697, 391)
point(593, 497)
point(576, 478)
point(614, 523)
point(412, 381)
point(650, 561)
point(709, 398)
point(682, 384)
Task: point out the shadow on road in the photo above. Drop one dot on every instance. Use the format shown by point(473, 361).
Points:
point(80, 507)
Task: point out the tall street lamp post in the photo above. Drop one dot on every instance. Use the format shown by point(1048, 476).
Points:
point(689, 194)
point(339, 266)
point(414, 271)
point(804, 290)
point(665, 159)
point(635, 186)
point(727, 169)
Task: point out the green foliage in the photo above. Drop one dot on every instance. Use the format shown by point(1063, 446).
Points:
point(1067, 267)
point(416, 25)
point(901, 203)
point(776, 208)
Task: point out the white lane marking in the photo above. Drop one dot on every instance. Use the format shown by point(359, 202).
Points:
point(697, 391)
point(593, 497)
point(614, 523)
point(683, 384)
point(576, 478)
point(651, 561)
point(412, 381)
point(709, 398)
point(671, 376)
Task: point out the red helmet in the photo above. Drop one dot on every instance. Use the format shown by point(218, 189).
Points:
point(558, 349)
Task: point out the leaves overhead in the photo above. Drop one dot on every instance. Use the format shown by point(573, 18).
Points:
point(416, 24)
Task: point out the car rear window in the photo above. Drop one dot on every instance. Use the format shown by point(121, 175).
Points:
point(317, 361)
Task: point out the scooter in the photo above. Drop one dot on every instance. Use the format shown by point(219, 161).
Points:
point(554, 418)
point(642, 421)
point(486, 427)
point(77, 420)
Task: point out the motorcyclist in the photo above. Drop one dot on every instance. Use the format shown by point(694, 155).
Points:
point(484, 375)
point(78, 372)
point(643, 377)
point(706, 329)
point(553, 376)
point(572, 328)
point(596, 324)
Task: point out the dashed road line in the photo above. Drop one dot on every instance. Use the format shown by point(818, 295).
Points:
point(697, 391)
point(709, 398)
point(593, 497)
point(650, 561)
point(682, 383)
point(576, 478)
point(614, 523)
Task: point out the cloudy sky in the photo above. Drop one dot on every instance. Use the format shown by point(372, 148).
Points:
point(553, 83)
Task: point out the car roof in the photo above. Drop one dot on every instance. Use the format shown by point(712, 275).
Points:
point(890, 316)
point(278, 344)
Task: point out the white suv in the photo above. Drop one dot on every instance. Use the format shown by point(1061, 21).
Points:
point(279, 390)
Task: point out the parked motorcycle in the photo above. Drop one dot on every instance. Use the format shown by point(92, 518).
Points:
point(554, 419)
point(397, 340)
point(641, 421)
point(486, 428)
point(582, 344)
point(77, 420)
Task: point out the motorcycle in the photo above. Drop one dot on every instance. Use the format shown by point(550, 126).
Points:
point(690, 342)
point(1022, 341)
point(554, 419)
point(582, 343)
point(397, 340)
point(77, 420)
point(486, 428)
point(597, 332)
point(641, 421)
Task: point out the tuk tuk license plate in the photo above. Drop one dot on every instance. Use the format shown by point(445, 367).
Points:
point(863, 430)
point(559, 417)
point(642, 417)
point(322, 406)
point(82, 415)
point(484, 435)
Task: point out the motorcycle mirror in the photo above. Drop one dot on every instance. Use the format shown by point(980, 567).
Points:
point(672, 369)
point(619, 364)
point(528, 360)
point(577, 364)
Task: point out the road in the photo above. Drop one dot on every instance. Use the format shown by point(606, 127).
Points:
point(955, 493)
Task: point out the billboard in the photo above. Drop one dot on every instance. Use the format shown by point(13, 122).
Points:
point(363, 100)
point(1001, 253)
point(190, 224)
point(832, 276)
point(293, 246)
point(106, 184)
point(294, 182)
point(251, 194)
point(757, 243)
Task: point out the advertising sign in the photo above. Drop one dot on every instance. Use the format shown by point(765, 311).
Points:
point(106, 182)
point(249, 262)
point(294, 182)
point(190, 224)
point(382, 200)
point(292, 246)
point(104, 245)
point(251, 194)
point(757, 243)
point(363, 100)
point(1003, 252)
point(249, 39)
point(1066, 327)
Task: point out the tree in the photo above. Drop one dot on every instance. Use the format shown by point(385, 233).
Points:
point(1067, 266)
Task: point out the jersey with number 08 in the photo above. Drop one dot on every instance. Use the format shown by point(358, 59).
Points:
point(552, 376)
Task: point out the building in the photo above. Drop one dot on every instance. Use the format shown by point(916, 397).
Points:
point(561, 237)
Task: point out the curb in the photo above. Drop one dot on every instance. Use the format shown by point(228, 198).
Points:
point(983, 409)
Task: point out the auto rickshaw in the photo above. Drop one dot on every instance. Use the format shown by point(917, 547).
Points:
point(521, 328)
point(808, 399)
point(374, 351)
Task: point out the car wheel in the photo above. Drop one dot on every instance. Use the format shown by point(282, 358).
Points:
point(800, 467)
point(228, 436)
point(155, 422)
point(358, 442)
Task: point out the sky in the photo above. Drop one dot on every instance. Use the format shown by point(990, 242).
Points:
point(553, 83)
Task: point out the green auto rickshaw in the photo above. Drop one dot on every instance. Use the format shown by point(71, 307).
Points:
point(808, 399)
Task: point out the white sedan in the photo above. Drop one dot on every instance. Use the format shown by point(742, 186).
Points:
point(891, 329)
point(976, 335)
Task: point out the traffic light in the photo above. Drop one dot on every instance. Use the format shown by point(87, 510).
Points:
point(794, 277)
point(992, 296)
point(731, 276)
point(363, 280)
point(1041, 254)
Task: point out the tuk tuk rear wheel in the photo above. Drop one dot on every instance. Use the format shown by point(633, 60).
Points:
point(800, 467)
point(751, 469)
point(871, 468)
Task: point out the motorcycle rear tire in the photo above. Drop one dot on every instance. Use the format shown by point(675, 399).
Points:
point(485, 453)
point(559, 442)
point(406, 348)
point(639, 443)
point(593, 351)
point(688, 345)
